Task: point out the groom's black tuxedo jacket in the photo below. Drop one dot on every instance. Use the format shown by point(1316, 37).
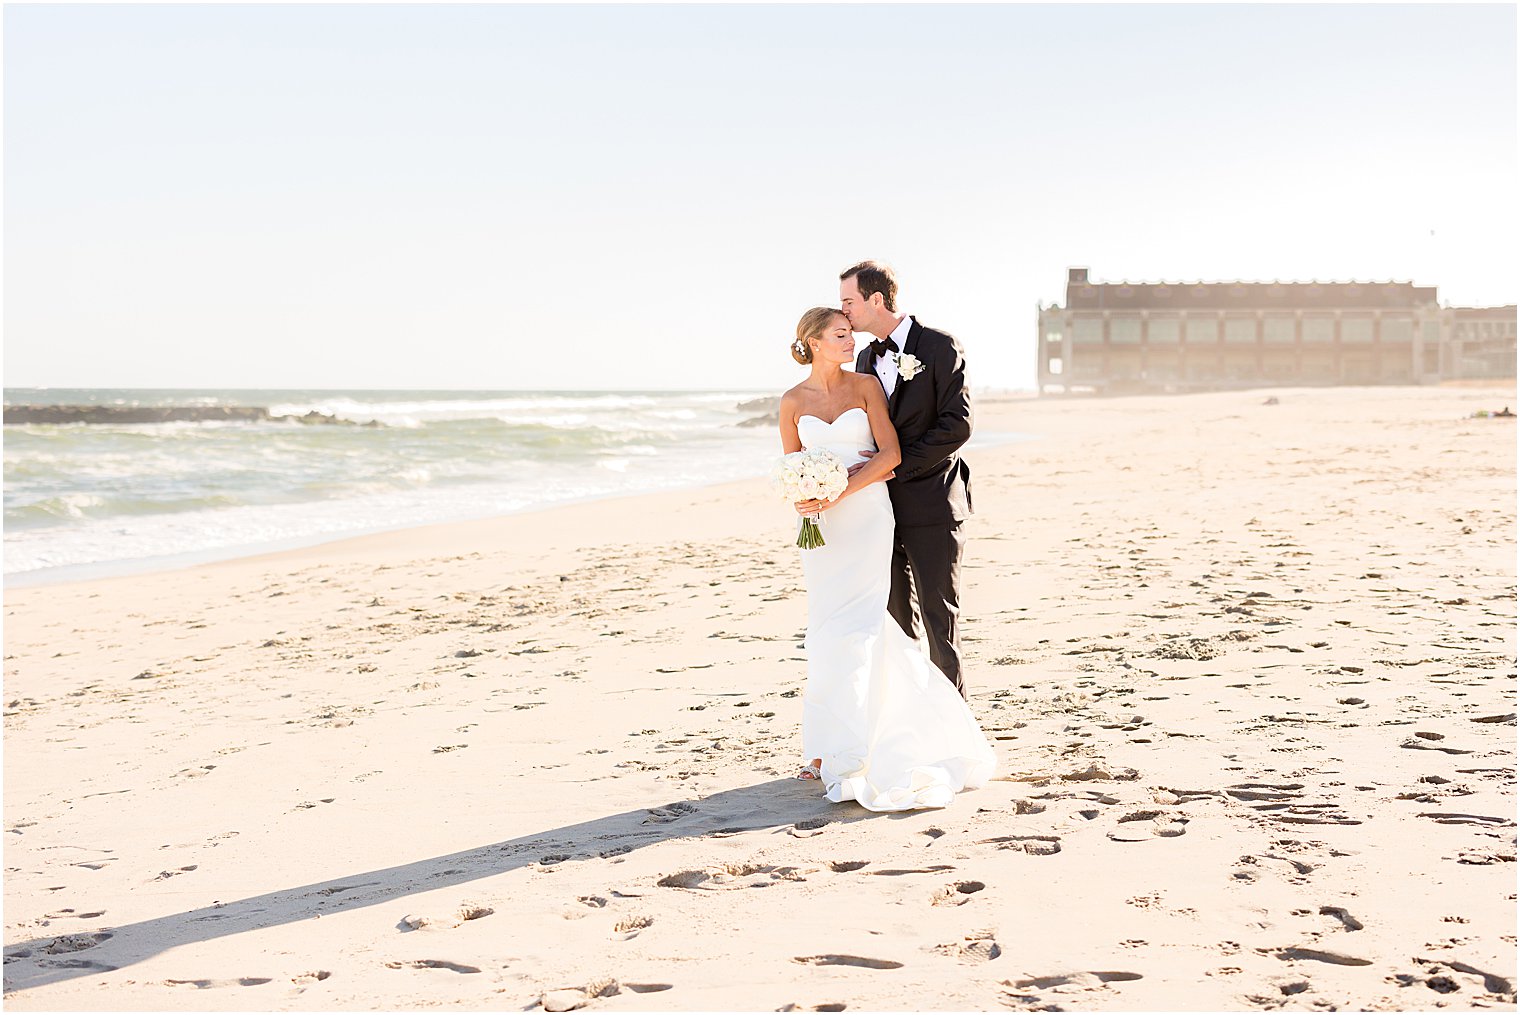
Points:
point(932, 416)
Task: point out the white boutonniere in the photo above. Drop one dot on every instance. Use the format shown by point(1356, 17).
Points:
point(908, 367)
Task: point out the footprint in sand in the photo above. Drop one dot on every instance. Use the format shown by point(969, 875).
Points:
point(847, 960)
point(165, 875)
point(1481, 820)
point(794, 1006)
point(307, 805)
point(957, 894)
point(1429, 742)
point(1266, 791)
point(242, 981)
point(1096, 772)
point(731, 876)
point(89, 964)
point(332, 890)
point(1282, 802)
point(1347, 920)
point(893, 872)
point(1431, 977)
point(433, 964)
point(572, 998)
point(1143, 825)
point(1034, 845)
point(1298, 867)
point(661, 815)
point(808, 827)
point(1315, 955)
point(627, 929)
point(845, 866)
point(977, 947)
point(1017, 993)
point(196, 772)
point(465, 913)
point(1492, 982)
point(73, 943)
point(1078, 979)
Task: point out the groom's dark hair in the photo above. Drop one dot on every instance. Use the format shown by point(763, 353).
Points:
point(873, 277)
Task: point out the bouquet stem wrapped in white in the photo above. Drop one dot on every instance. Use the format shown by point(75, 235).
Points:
point(815, 474)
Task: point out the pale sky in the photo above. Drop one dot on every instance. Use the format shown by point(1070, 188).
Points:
point(650, 196)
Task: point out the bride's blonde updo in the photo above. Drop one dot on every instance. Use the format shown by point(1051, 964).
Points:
point(811, 326)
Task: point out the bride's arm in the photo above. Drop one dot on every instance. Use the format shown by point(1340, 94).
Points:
point(790, 442)
point(888, 453)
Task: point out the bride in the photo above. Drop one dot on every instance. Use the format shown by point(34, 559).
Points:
point(882, 724)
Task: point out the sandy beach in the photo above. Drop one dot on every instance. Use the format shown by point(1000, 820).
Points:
point(1249, 667)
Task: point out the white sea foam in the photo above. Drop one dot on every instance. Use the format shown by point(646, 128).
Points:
point(86, 495)
point(515, 407)
point(245, 528)
point(83, 495)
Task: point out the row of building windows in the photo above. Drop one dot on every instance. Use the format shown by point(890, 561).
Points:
point(1234, 368)
point(1275, 329)
point(1485, 329)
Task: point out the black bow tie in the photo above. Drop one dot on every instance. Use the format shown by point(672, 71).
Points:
point(879, 346)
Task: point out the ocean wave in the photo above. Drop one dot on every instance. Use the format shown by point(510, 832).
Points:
point(456, 408)
point(99, 493)
point(232, 530)
point(77, 507)
point(509, 407)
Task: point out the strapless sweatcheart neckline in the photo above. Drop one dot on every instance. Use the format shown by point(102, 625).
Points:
point(836, 419)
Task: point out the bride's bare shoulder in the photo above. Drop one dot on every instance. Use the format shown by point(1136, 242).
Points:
point(866, 386)
point(794, 396)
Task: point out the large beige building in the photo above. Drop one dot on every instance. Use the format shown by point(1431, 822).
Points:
point(1478, 342)
point(1183, 336)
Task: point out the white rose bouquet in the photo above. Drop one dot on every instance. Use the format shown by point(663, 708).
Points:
point(815, 474)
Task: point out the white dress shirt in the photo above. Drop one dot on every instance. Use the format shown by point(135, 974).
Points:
point(886, 366)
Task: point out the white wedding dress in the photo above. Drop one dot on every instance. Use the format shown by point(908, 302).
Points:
point(892, 731)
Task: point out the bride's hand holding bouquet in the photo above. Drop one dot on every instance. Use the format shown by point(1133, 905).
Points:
point(811, 480)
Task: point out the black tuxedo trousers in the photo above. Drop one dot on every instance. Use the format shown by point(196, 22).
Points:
point(926, 572)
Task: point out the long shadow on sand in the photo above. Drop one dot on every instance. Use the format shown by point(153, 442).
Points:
point(774, 804)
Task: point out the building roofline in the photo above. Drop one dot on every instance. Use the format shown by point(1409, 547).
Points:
point(1275, 281)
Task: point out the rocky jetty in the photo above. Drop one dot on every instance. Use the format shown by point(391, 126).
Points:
point(118, 414)
point(769, 407)
point(766, 403)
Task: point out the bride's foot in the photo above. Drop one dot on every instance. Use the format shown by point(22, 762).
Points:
point(812, 772)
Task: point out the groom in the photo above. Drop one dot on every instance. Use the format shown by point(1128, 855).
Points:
point(924, 374)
